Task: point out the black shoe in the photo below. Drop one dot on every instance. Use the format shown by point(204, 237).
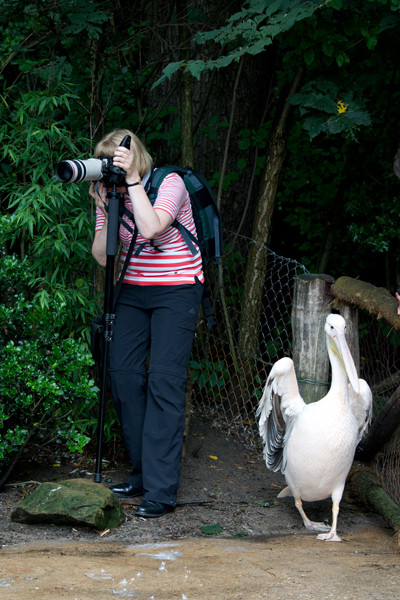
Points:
point(126, 490)
point(151, 509)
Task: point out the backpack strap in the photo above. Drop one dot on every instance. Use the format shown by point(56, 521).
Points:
point(157, 176)
point(120, 281)
point(206, 305)
point(187, 236)
point(151, 188)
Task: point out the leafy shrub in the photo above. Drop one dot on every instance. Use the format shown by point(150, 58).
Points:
point(43, 376)
point(50, 222)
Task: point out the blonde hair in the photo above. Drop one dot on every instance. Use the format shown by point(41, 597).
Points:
point(107, 145)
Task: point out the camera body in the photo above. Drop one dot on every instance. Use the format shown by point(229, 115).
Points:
point(92, 169)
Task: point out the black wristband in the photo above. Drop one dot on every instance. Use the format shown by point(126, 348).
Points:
point(132, 184)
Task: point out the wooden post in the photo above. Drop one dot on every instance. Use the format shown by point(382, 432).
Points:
point(311, 306)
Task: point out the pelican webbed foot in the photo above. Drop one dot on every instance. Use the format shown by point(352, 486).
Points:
point(310, 525)
point(315, 526)
point(332, 536)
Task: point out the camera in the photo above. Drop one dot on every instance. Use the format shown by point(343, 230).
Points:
point(92, 169)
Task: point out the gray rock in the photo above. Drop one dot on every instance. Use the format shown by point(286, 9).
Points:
point(71, 502)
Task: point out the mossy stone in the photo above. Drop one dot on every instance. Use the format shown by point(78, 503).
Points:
point(78, 502)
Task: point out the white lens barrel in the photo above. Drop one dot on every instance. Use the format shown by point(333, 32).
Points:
point(71, 171)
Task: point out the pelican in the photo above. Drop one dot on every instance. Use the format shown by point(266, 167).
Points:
point(314, 444)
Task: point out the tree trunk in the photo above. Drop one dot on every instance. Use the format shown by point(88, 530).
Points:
point(187, 159)
point(257, 259)
point(186, 89)
point(187, 156)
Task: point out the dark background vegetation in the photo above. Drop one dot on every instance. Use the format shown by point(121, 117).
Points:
point(289, 108)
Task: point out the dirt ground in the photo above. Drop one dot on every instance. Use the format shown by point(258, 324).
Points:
point(229, 538)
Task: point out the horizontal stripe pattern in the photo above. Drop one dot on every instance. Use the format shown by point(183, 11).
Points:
point(168, 261)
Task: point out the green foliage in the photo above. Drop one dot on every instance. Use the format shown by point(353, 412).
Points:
point(213, 529)
point(208, 375)
point(159, 132)
point(329, 110)
point(308, 202)
point(255, 138)
point(234, 262)
point(82, 18)
point(375, 225)
point(247, 32)
point(46, 220)
point(212, 129)
point(338, 196)
point(43, 375)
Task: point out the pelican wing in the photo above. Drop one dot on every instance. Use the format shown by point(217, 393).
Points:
point(361, 406)
point(278, 407)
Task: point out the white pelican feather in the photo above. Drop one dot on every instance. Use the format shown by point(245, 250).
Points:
point(314, 444)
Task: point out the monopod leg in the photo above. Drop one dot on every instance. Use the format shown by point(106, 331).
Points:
point(109, 317)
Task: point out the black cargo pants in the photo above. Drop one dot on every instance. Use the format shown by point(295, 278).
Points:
point(149, 354)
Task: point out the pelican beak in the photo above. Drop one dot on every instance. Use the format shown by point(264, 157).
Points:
point(341, 348)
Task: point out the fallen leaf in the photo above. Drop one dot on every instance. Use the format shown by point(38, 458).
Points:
point(213, 457)
point(265, 504)
point(212, 529)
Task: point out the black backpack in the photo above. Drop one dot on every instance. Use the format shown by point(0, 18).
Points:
point(206, 217)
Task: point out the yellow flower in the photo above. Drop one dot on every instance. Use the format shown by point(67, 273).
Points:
point(341, 107)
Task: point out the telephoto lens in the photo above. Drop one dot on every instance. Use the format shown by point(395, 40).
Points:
point(71, 171)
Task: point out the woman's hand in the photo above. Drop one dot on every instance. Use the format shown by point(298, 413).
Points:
point(124, 159)
point(99, 193)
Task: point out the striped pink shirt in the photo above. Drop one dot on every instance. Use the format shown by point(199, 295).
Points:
point(175, 264)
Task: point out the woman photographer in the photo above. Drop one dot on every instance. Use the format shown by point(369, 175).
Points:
point(156, 315)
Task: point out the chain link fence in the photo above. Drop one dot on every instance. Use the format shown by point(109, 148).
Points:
point(225, 387)
point(380, 367)
point(379, 356)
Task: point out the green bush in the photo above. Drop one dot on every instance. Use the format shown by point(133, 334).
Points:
point(44, 376)
point(49, 222)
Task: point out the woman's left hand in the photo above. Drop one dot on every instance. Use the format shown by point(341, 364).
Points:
point(99, 194)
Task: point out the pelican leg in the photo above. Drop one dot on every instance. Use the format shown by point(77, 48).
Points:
point(311, 525)
point(332, 536)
